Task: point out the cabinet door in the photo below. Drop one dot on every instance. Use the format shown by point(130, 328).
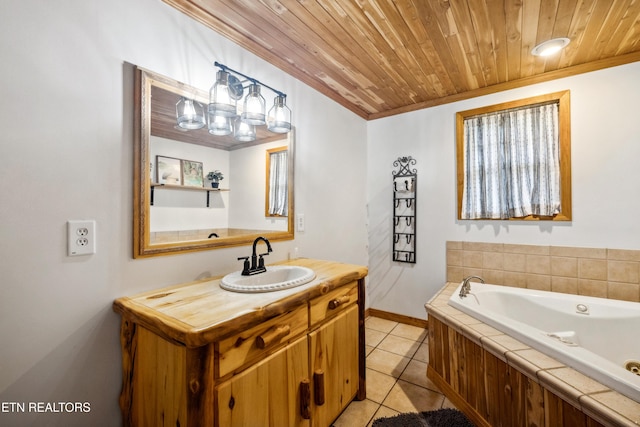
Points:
point(334, 366)
point(268, 393)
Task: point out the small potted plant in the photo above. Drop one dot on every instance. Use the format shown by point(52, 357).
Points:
point(215, 177)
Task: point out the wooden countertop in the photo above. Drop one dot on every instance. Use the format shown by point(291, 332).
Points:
point(197, 313)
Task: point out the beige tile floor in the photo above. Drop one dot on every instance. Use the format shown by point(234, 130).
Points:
point(397, 357)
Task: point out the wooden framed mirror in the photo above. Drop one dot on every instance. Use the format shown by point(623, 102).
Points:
point(173, 214)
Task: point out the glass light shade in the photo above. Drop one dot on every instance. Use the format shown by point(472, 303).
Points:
point(279, 118)
point(244, 131)
point(550, 47)
point(190, 114)
point(254, 107)
point(219, 125)
point(221, 103)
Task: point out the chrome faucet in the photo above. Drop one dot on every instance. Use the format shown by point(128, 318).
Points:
point(466, 285)
point(257, 262)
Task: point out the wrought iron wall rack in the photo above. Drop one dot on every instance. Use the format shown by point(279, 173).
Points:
point(405, 180)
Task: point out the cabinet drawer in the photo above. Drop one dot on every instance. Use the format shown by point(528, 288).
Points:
point(255, 343)
point(333, 302)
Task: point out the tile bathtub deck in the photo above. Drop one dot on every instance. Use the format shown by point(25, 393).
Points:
point(397, 357)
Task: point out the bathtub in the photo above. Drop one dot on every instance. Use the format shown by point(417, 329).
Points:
point(598, 337)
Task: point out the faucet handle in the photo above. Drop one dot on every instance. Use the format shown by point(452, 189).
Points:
point(261, 260)
point(245, 268)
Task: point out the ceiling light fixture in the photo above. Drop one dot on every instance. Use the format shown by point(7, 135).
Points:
point(550, 47)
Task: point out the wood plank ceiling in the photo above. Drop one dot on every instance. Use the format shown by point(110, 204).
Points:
point(383, 57)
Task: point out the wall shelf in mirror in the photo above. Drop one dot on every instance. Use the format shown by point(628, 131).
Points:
point(236, 217)
point(155, 185)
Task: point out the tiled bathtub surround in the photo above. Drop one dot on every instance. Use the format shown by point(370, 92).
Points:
point(598, 272)
point(585, 394)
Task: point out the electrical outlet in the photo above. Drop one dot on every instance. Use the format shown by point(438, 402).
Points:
point(300, 222)
point(81, 237)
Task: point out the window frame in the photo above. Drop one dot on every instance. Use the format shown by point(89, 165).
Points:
point(564, 134)
point(267, 192)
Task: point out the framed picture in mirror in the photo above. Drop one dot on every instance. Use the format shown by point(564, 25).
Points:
point(192, 174)
point(169, 170)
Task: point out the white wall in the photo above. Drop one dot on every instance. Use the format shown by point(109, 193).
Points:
point(605, 182)
point(67, 153)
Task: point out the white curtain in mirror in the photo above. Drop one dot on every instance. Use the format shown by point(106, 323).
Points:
point(278, 184)
point(512, 164)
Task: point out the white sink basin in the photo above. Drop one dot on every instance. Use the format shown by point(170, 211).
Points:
point(276, 278)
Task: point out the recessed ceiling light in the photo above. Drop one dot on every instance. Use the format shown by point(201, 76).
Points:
point(550, 47)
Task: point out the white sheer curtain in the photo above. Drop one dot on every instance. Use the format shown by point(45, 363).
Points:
point(278, 194)
point(512, 164)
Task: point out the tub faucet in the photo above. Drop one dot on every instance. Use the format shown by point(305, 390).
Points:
point(257, 263)
point(466, 285)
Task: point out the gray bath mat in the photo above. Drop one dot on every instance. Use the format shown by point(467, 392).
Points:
point(439, 418)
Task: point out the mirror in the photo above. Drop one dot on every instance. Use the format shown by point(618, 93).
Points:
point(176, 208)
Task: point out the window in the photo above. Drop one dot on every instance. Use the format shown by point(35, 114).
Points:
point(514, 160)
point(277, 200)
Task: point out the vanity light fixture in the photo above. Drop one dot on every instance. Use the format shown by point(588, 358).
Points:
point(219, 125)
point(190, 114)
point(244, 131)
point(222, 114)
point(223, 95)
point(228, 89)
point(254, 107)
point(550, 47)
point(279, 118)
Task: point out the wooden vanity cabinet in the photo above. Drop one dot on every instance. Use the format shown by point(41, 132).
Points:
point(310, 381)
point(334, 366)
point(301, 367)
point(269, 393)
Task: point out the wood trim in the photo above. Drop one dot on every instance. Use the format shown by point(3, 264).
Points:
point(564, 122)
point(400, 318)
